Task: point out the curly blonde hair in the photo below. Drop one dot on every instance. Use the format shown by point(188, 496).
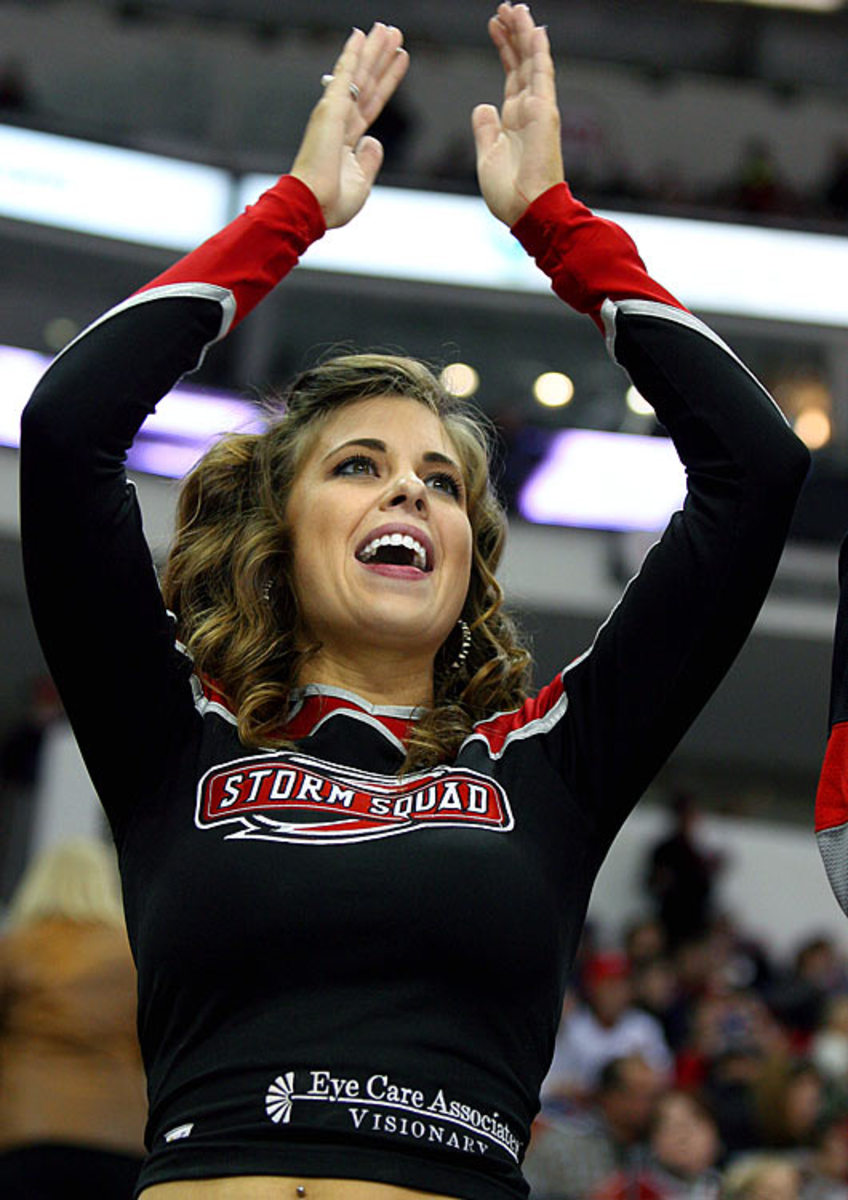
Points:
point(232, 554)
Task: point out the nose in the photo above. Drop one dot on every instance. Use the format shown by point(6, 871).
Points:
point(408, 491)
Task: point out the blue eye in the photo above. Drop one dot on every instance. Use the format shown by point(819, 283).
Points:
point(357, 464)
point(444, 482)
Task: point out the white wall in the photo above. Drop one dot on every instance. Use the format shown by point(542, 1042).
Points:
point(65, 802)
point(773, 885)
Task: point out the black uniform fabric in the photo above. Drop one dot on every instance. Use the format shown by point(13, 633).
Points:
point(343, 972)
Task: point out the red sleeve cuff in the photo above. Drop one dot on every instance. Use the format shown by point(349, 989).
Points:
point(832, 792)
point(254, 252)
point(587, 258)
point(290, 203)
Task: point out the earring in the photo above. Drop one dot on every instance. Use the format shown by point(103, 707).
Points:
point(459, 661)
point(266, 592)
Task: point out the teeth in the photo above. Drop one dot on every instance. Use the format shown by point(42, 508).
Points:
point(397, 539)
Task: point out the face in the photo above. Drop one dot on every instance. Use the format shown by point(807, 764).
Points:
point(610, 997)
point(628, 1107)
point(684, 1139)
point(803, 1103)
point(381, 536)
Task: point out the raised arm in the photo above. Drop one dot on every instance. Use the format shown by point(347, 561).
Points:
point(832, 794)
point(518, 148)
point(337, 160)
point(613, 717)
point(93, 591)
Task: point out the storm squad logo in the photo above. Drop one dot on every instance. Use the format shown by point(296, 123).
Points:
point(289, 797)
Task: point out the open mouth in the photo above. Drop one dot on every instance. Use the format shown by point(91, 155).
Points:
point(398, 550)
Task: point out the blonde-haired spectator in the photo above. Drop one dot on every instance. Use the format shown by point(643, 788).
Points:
point(762, 1177)
point(72, 1104)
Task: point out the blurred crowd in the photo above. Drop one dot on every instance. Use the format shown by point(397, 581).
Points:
point(690, 1065)
point(757, 189)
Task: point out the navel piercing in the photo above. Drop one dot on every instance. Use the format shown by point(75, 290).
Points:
point(301, 1190)
point(459, 661)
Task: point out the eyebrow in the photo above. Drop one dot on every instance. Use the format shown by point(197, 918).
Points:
point(431, 456)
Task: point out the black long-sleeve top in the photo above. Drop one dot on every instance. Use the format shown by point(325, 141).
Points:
point(344, 971)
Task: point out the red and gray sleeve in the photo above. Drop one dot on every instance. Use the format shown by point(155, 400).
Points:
point(93, 590)
point(621, 707)
point(832, 795)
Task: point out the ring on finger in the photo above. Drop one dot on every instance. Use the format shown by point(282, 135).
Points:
point(351, 87)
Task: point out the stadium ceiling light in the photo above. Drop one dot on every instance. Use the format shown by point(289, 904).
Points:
point(460, 379)
point(813, 428)
point(553, 389)
point(637, 403)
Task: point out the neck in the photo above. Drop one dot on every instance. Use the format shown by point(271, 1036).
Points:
point(383, 681)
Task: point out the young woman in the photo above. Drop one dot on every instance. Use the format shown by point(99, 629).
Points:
point(356, 857)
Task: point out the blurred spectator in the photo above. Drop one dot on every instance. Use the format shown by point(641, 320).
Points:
point(789, 1097)
point(15, 90)
point(758, 186)
point(571, 1154)
point(72, 1103)
point(738, 960)
point(835, 186)
point(762, 1177)
point(606, 1027)
point(680, 876)
point(825, 1168)
point(829, 1046)
point(644, 941)
point(732, 1035)
point(656, 992)
point(799, 997)
point(684, 1149)
point(696, 978)
point(394, 128)
point(825, 1171)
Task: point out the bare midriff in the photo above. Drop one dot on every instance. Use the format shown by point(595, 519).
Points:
point(283, 1187)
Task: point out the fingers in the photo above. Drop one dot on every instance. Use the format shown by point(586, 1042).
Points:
point(337, 85)
point(486, 124)
point(543, 81)
point(367, 71)
point(383, 65)
point(524, 51)
point(369, 155)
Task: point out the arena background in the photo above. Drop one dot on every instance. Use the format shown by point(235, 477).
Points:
point(718, 112)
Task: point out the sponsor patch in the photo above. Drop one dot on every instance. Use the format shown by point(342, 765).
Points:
point(290, 797)
point(377, 1104)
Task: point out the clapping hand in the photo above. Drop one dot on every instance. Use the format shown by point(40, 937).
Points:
point(336, 159)
point(519, 153)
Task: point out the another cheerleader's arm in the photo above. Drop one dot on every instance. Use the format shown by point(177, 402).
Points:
point(831, 816)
